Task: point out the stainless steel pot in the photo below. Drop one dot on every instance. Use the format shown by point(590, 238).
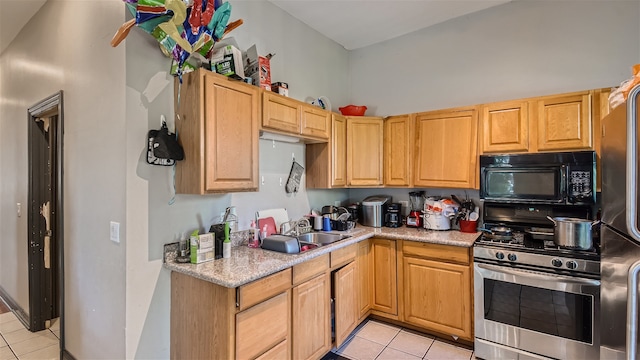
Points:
point(573, 233)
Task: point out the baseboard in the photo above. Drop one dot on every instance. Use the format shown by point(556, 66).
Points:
point(67, 355)
point(15, 308)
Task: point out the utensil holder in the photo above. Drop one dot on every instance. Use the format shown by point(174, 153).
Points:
point(468, 226)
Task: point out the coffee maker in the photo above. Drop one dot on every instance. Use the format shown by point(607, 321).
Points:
point(416, 198)
point(392, 218)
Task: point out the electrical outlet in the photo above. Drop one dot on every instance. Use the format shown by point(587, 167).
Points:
point(114, 232)
point(19, 206)
point(404, 203)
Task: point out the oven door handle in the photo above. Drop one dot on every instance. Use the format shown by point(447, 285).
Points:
point(530, 274)
point(632, 310)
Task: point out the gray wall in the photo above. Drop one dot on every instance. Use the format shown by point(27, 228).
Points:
point(66, 47)
point(311, 64)
point(519, 49)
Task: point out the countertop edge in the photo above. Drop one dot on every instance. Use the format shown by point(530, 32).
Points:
point(214, 271)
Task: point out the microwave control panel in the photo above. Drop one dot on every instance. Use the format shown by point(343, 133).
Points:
point(580, 185)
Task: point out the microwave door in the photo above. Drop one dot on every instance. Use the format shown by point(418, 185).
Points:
point(533, 184)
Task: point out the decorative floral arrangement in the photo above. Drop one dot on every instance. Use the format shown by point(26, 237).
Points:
point(182, 27)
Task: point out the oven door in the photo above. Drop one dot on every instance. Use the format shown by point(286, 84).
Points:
point(534, 184)
point(527, 314)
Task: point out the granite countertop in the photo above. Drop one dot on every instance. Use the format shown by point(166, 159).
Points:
point(247, 264)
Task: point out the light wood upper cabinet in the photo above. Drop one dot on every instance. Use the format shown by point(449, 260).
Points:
point(364, 286)
point(326, 163)
point(315, 121)
point(364, 151)
point(564, 122)
point(385, 293)
point(311, 330)
point(346, 302)
point(218, 129)
point(505, 127)
point(283, 114)
point(280, 113)
point(398, 150)
point(446, 153)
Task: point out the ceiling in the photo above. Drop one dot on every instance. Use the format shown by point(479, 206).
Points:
point(351, 23)
point(358, 23)
point(14, 14)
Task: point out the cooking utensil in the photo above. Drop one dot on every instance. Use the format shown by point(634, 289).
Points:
point(573, 233)
point(353, 110)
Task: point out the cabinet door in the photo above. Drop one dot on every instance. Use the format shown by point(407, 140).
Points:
point(311, 332)
point(363, 264)
point(505, 127)
point(346, 308)
point(364, 151)
point(398, 150)
point(263, 326)
point(339, 151)
point(447, 149)
point(230, 136)
point(385, 297)
point(315, 122)
point(437, 296)
point(280, 113)
point(564, 122)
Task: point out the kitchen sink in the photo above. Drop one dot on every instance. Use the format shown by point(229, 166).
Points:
point(313, 240)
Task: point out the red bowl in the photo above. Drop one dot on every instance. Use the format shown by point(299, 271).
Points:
point(353, 110)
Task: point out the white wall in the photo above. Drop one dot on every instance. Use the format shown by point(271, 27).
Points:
point(311, 64)
point(520, 49)
point(66, 47)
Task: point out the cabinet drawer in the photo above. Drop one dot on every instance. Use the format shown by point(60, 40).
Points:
point(311, 268)
point(262, 327)
point(448, 253)
point(280, 351)
point(263, 289)
point(344, 255)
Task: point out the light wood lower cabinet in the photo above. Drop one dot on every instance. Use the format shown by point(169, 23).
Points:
point(385, 296)
point(437, 288)
point(262, 327)
point(364, 286)
point(311, 330)
point(346, 307)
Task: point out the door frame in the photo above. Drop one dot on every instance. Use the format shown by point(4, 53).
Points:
point(50, 105)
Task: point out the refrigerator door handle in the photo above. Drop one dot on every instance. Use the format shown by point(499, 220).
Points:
point(632, 310)
point(632, 169)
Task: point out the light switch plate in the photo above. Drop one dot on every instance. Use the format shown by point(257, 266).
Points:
point(114, 231)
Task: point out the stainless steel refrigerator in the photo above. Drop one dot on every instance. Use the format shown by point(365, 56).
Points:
point(620, 233)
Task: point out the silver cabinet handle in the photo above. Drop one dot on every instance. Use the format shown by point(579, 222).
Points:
point(632, 169)
point(632, 310)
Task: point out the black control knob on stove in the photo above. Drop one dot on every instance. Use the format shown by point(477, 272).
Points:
point(572, 264)
point(512, 257)
point(499, 255)
point(556, 262)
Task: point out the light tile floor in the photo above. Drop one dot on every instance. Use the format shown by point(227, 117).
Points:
point(381, 341)
point(16, 342)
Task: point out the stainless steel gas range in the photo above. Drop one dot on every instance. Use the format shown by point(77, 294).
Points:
point(533, 299)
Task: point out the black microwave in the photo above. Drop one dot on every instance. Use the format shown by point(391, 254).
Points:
point(544, 178)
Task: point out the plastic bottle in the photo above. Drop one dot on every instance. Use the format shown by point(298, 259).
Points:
point(263, 234)
point(254, 242)
point(226, 245)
